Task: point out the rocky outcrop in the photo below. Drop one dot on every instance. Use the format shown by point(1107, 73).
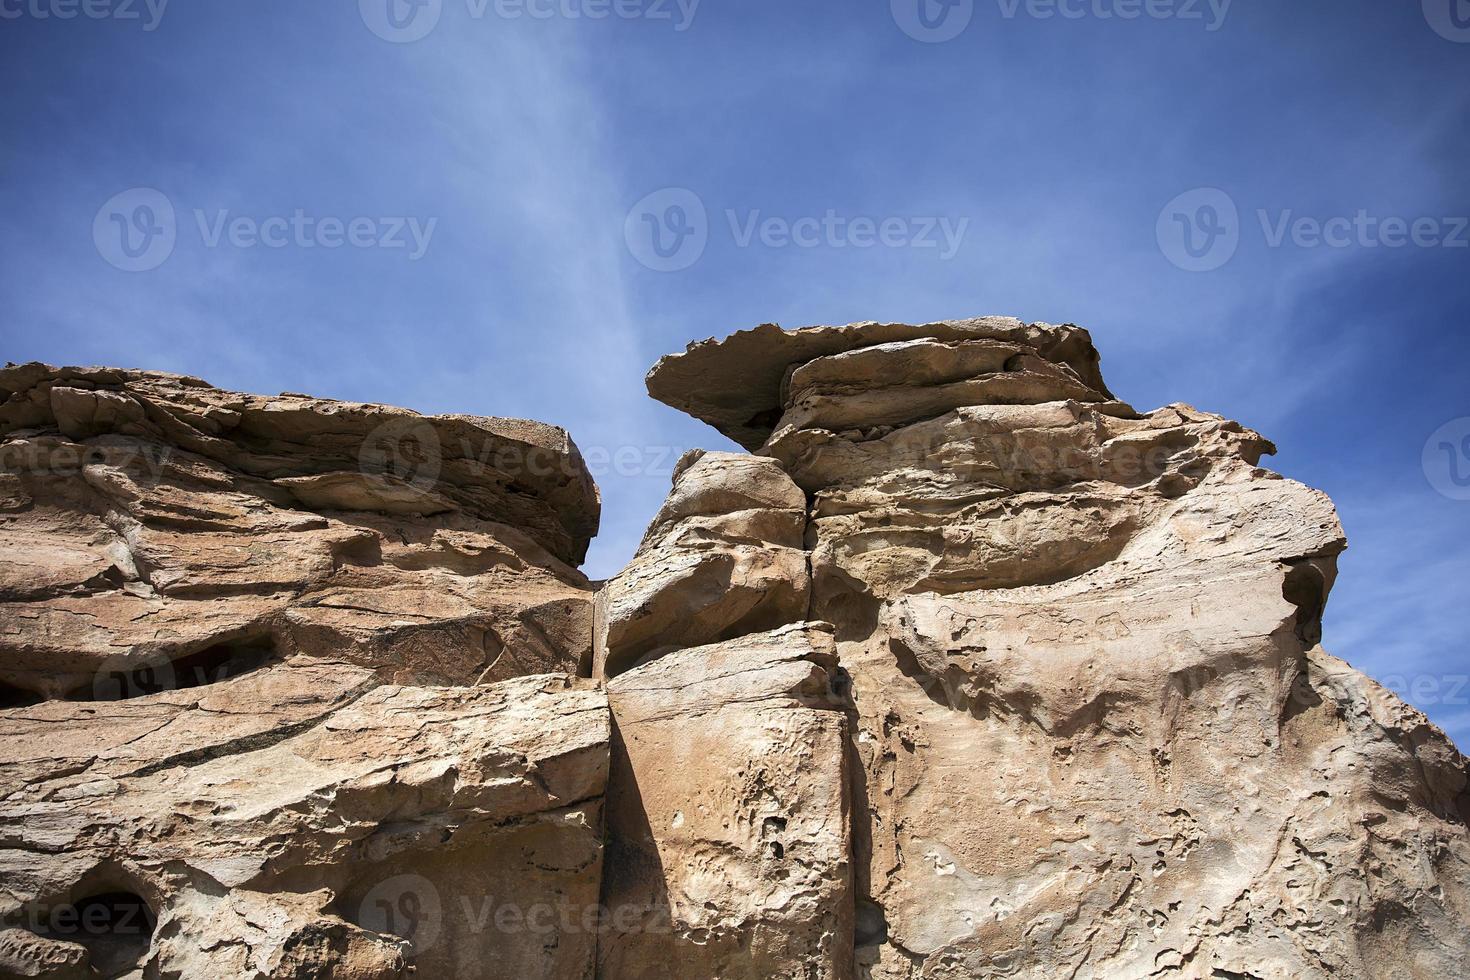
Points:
point(1096, 735)
point(288, 822)
point(968, 669)
point(153, 525)
point(289, 686)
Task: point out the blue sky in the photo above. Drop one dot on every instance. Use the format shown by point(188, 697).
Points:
point(1060, 146)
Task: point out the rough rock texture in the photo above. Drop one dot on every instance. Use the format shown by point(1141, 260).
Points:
point(285, 821)
point(153, 525)
point(1097, 737)
point(218, 757)
point(728, 813)
point(969, 671)
point(723, 557)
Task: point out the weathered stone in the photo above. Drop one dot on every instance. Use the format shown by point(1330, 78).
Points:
point(728, 814)
point(25, 954)
point(1097, 736)
point(525, 474)
point(972, 671)
point(207, 525)
point(296, 824)
point(723, 557)
point(737, 384)
point(217, 615)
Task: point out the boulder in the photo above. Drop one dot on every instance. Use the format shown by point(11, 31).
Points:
point(728, 813)
point(723, 557)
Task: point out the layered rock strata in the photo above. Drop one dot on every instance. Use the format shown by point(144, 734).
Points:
point(723, 557)
point(157, 531)
point(1096, 734)
point(289, 686)
point(967, 669)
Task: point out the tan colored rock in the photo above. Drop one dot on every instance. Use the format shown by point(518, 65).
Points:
point(303, 825)
point(218, 617)
point(723, 557)
point(525, 474)
point(972, 671)
point(1097, 734)
point(197, 524)
point(728, 814)
point(25, 954)
point(737, 384)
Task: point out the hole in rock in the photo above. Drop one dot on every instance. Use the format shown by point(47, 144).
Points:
point(17, 697)
point(1306, 588)
point(212, 665)
point(115, 927)
point(1301, 698)
point(766, 419)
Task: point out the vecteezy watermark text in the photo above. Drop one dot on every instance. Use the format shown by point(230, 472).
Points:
point(1211, 13)
point(138, 229)
point(411, 906)
point(669, 230)
point(406, 21)
point(1201, 230)
point(936, 21)
point(149, 13)
point(302, 230)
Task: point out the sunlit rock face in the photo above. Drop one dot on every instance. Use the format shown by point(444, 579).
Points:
point(729, 812)
point(1094, 733)
point(723, 557)
point(159, 531)
point(289, 685)
point(966, 669)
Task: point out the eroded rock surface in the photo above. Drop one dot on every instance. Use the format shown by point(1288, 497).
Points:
point(968, 670)
point(153, 525)
point(723, 557)
point(1096, 735)
point(298, 823)
point(728, 813)
point(288, 686)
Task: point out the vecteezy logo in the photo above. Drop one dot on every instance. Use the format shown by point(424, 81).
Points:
point(136, 230)
point(405, 449)
point(1199, 230)
point(932, 21)
point(1449, 18)
point(401, 21)
point(406, 906)
point(1446, 459)
point(667, 230)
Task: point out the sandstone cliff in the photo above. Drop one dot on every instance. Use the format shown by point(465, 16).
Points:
point(968, 669)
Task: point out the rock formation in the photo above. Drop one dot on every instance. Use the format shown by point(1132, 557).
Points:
point(283, 678)
point(968, 669)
